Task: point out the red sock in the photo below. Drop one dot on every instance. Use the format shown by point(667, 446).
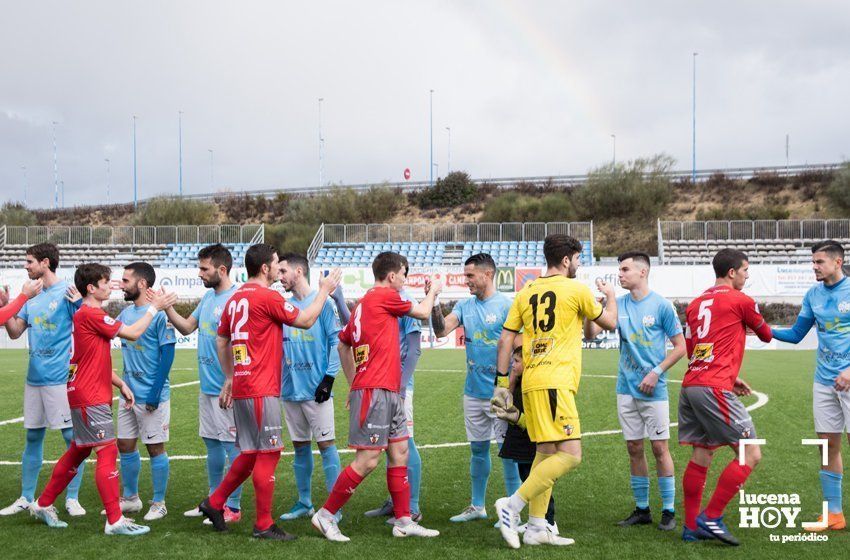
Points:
point(730, 481)
point(693, 483)
point(344, 487)
point(238, 473)
point(63, 472)
point(263, 479)
point(399, 491)
point(106, 478)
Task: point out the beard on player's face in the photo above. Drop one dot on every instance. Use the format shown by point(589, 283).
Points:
point(213, 281)
point(131, 293)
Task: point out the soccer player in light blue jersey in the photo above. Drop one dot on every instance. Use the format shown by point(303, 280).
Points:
point(482, 317)
point(310, 366)
point(147, 366)
point(47, 318)
point(410, 347)
point(216, 425)
point(646, 321)
point(827, 306)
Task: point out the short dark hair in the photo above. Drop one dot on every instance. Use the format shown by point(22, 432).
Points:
point(727, 259)
point(387, 262)
point(143, 271)
point(218, 255)
point(258, 255)
point(517, 351)
point(297, 260)
point(47, 251)
point(484, 260)
point(636, 256)
point(830, 247)
point(557, 246)
point(90, 274)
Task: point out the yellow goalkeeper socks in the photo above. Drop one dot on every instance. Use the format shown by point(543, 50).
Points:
point(538, 505)
point(545, 473)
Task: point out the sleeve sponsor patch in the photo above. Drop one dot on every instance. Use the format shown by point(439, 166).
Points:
point(703, 352)
point(240, 355)
point(361, 354)
point(108, 320)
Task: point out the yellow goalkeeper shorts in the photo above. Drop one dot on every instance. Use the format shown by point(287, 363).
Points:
point(551, 415)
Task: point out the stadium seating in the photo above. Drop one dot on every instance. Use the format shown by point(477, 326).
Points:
point(436, 254)
point(172, 255)
point(185, 255)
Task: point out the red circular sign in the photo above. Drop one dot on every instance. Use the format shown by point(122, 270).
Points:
point(406, 173)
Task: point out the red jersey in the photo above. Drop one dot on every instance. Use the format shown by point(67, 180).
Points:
point(373, 333)
point(90, 373)
point(252, 319)
point(716, 332)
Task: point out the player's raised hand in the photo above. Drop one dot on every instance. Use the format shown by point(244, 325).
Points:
point(606, 288)
point(32, 288)
point(741, 388)
point(331, 281)
point(129, 398)
point(4, 296)
point(72, 294)
point(161, 300)
point(434, 284)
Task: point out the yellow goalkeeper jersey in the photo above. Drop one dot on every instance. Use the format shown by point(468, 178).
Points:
point(550, 311)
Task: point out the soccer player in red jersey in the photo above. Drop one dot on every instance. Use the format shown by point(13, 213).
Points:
point(90, 381)
point(251, 352)
point(710, 414)
point(371, 360)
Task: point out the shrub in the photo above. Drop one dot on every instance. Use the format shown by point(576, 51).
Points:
point(838, 192)
point(290, 236)
point(719, 181)
point(16, 214)
point(640, 189)
point(454, 189)
point(516, 207)
point(168, 211)
point(346, 206)
point(768, 180)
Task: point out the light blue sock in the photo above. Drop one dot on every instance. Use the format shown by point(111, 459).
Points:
point(414, 474)
point(479, 470)
point(331, 466)
point(159, 476)
point(640, 489)
point(31, 461)
point(73, 490)
point(667, 488)
point(216, 459)
point(511, 472)
point(831, 484)
point(234, 500)
point(302, 464)
point(131, 464)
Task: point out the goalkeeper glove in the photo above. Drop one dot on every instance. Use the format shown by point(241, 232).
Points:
point(323, 391)
point(502, 380)
point(502, 398)
point(511, 414)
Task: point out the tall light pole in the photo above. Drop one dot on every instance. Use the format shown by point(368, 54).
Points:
point(211, 169)
point(694, 123)
point(431, 121)
point(55, 171)
point(614, 154)
point(24, 168)
point(179, 152)
point(107, 179)
point(135, 169)
point(449, 166)
point(321, 147)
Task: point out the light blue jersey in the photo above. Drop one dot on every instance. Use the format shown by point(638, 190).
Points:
point(141, 357)
point(207, 314)
point(482, 324)
point(644, 328)
point(49, 317)
point(406, 325)
point(829, 308)
point(309, 355)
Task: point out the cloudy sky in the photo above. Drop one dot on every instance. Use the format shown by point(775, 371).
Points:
point(527, 87)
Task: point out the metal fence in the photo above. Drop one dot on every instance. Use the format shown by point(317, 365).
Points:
point(754, 229)
point(130, 235)
point(449, 233)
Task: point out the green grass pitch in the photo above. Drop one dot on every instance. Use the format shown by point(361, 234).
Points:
point(589, 501)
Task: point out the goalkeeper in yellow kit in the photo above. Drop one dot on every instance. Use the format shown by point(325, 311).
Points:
point(549, 312)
